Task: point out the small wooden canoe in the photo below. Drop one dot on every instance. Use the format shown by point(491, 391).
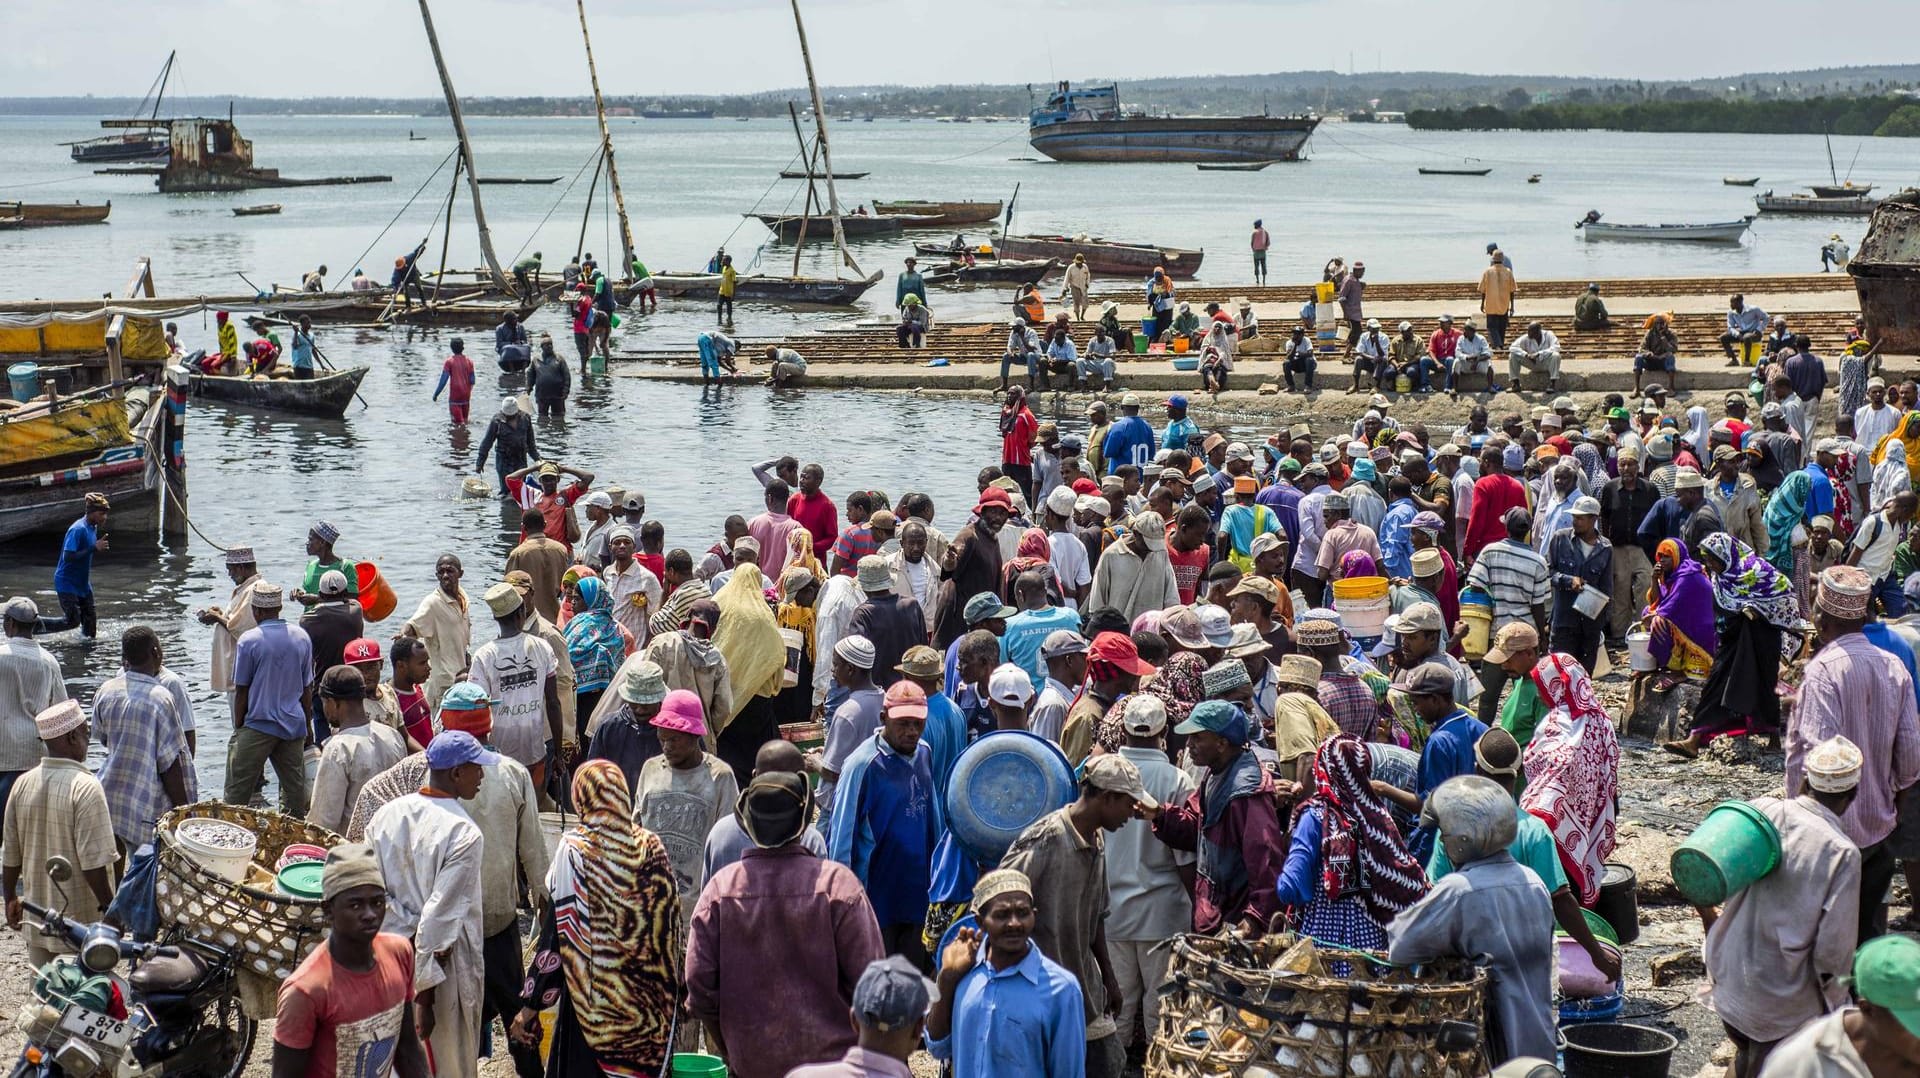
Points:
point(542, 180)
point(800, 174)
point(1455, 171)
point(981, 252)
point(326, 394)
point(940, 214)
point(1249, 166)
point(257, 211)
point(758, 288)
point(49, 214)
point(1740, 181)
point(851, 224)
point(1018, 271)
point(1535, 178)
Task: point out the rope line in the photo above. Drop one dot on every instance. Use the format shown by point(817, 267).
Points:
point(361, 261)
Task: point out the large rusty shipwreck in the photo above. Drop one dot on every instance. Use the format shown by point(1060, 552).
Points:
point(1886, 274)
point(209, 154)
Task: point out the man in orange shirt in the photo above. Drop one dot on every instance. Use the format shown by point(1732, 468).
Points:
point(1497, 292)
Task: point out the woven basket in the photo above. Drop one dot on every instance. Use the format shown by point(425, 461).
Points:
point(1226, 1013)
point(271, 931)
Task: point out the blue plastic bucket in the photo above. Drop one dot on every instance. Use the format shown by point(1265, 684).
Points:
point(23, 381)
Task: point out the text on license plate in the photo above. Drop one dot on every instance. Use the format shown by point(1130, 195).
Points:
point(89, 1025)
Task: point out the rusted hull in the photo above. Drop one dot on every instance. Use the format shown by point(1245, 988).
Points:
point(1886, 275)
point(189, 179)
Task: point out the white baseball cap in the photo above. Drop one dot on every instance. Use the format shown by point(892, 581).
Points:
point(1009, 685)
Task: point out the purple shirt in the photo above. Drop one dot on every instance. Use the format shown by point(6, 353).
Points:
point(1864, 694)
point(857, 1063)
point(273, 661)
point(828, 936)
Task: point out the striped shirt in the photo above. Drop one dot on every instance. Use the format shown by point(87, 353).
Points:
point(1515, 576)
point(1858, 691)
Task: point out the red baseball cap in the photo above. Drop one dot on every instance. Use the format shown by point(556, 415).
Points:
point(362, 650)
point(994, 496)
point(1118, 649)
point(905, 698)
point(1083, 485)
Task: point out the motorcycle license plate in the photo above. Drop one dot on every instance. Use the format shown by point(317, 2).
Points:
point(99, 1028)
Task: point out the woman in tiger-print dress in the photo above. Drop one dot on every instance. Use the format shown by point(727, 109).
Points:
point(609, 943)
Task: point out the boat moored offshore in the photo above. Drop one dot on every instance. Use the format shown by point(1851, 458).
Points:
point(1088, 125)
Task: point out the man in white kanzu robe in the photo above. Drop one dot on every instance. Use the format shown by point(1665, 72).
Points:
point(431, 854)
point(443, 623)
point(237, 618)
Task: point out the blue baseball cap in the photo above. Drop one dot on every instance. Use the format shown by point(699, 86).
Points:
point(1178, 400)
point(466, 696)
point(451, 748)
point(1219, 717)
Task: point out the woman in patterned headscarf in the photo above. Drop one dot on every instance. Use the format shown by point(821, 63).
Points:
point(1572, 766)
point(1755, 604)
point(1348, 872)
point(609, 945)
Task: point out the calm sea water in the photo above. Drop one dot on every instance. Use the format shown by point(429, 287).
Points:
point(389, 475)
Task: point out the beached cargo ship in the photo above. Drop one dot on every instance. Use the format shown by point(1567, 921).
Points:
point(1088, 125)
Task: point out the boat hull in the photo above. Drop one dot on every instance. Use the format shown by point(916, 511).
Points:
point(326, 395)
point(1886, 275)
point(372, 307)
point(1190, 139)
point(36, 498)
point(118, 149)
point(1718, 232)
point(941, 214)
point(813, 291)
point(1814, 206)
point(1018, 272)
point(852, 225)
point(1122, 259)
point(51, 214)
point(85, 427)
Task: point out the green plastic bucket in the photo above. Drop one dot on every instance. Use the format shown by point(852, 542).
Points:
point(1599, 926)
point(697, 1065)
point(1731, 850)
point(1140, 342)
point(596, 364)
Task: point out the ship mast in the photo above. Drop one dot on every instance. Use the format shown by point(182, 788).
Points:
point(466, 149)
point(606, 150)
point(826, 154)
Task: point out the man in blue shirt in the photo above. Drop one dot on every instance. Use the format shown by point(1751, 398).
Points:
point(1028, 629)
point(302, 349)
point(886, 820)
point(1744, 324)
point(1179, 426)
point(73, 576)
point(1004, 1009)
point(946, 730)
point(1449, 748)
point(1130, 440)
point(272, 697)
point(1396, 536)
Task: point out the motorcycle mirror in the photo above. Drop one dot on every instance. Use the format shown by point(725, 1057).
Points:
point(60, 871)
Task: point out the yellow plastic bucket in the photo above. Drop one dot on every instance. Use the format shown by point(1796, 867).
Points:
point(1360, 587)
point(1479, 623)
point(1323, 292)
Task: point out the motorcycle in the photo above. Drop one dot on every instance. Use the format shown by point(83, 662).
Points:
point(175, 1014)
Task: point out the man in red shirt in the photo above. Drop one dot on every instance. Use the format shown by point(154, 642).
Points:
point(1441, 345)
point(1494, 493)
point(456, 380)
point(348, 1009)
point(559, 486)
point(1188, 550)
point(1017, 429)
point(815, 511)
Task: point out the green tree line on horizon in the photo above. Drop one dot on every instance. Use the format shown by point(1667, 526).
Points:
point(1889, 116)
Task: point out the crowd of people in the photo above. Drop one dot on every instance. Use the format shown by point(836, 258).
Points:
point(1176, 611)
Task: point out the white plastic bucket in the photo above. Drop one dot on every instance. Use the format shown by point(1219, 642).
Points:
point(1364, 617)
point(796, 646)
point(227, 859)
point(1592, 602)
point(1640, 653)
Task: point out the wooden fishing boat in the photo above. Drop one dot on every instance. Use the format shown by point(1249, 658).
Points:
point(940, 214)
point(538, 180)
point(42, 493)
point(1018, 271)
point(371, 307)
point(1717, 232)
point(981, 252)
point(148, 145)
point(51, 214)
point(267, 210)
point(788, 227)
point(34, 431)
point(1843, 189)
point(1249, 166)
point(766, 288)
point(1454, 171)
point(1104, 256)
point(1534, 178)
point(801, 174)
point(326, 394)
point(1740, 181)
point(1855, 206)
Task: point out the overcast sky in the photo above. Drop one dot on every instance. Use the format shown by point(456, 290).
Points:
point(276, 48)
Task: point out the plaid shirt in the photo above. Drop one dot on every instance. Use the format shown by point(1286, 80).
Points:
point(141, 725)
point(1351, 704)
point(1515, 576)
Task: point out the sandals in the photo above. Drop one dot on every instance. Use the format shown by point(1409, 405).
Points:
point(1680, 749)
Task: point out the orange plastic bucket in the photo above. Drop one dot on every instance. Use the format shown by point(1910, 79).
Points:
point(376, 597)
point(1181, 344)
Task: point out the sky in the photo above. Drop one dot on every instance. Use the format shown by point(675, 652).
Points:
point(532, 47)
